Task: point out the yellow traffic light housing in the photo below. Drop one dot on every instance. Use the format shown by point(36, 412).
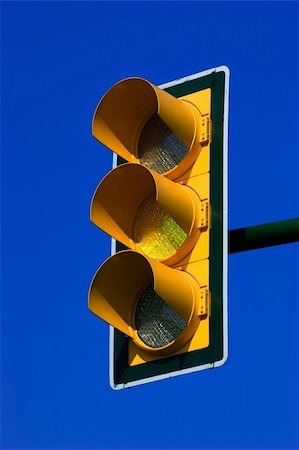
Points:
point(161, 296)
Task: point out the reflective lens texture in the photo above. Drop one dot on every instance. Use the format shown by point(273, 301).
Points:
point(157, 324)
point(159, 148)
point(155, 232)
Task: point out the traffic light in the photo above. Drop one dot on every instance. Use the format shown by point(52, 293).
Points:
point(164, 289)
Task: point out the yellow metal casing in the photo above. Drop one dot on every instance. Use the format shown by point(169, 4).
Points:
point(181, 278)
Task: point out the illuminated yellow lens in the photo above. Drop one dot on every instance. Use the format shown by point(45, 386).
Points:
point(155, 232)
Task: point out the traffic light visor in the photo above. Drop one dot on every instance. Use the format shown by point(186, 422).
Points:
point(147, 212)
point(142, 123)
point(153, 304)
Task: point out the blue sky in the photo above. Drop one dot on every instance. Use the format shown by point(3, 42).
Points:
point(57, 61)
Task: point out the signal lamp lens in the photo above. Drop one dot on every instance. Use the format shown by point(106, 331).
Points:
point(156, 233)
point(159, 148)
point(156, 322)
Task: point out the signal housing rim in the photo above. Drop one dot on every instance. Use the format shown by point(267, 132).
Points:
point(118, 126)
point(117, 304)
point(115, 188)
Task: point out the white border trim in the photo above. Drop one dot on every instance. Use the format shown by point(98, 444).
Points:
point(114, 386)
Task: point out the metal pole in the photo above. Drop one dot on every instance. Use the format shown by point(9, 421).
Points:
point(266, 235)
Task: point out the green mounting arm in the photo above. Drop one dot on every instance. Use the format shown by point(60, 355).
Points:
point(266, 235)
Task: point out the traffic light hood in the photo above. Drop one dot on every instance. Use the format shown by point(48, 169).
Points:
point(137, 206)
point(126, 111)
point(117, 302)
